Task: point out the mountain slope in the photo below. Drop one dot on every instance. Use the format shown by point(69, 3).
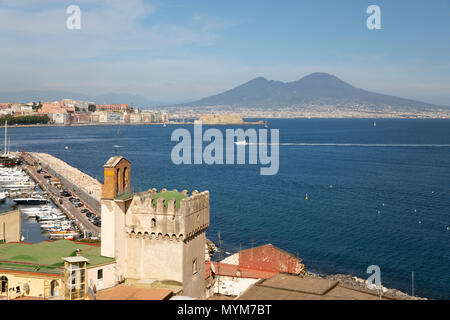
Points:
point(316, 88)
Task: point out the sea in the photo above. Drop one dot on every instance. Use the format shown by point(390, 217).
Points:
point(376, 194)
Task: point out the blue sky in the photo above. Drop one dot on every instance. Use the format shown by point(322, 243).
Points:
point(179, 50)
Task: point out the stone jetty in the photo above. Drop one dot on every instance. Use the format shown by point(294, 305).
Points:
point(88, 184)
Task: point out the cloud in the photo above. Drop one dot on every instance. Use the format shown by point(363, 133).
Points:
point(130, 46)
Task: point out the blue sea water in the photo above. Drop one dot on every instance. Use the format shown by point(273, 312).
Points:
point(389, 204)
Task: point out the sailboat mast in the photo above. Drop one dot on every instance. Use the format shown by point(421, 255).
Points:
point(6, 133)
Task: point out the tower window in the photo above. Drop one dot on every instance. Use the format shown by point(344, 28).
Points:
point(153, 223)
point(100, 274)
point(194, 266)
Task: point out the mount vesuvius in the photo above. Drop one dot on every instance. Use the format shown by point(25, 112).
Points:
point(316, 88)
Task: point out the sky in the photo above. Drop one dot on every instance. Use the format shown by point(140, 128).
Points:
point(182, 50)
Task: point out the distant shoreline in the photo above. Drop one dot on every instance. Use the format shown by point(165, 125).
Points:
point(213, 124)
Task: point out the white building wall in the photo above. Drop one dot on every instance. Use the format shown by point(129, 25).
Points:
point(232, 286)
point(109, 276)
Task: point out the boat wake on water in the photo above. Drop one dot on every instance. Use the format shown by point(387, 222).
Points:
point(379, 145)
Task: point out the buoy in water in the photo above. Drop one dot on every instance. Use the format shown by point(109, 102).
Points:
point(66, 147)
point(306, 197)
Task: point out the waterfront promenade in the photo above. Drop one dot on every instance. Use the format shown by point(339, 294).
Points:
point(63, 203)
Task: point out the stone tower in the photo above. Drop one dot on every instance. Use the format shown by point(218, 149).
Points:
point(154, 235)
point(114, 204)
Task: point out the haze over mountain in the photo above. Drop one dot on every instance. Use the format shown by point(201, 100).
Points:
point(316, 88)
point(54, 95)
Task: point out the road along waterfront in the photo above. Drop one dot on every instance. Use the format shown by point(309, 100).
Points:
point(72, 212)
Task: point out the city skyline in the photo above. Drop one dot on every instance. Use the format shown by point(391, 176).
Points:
point(174, 52)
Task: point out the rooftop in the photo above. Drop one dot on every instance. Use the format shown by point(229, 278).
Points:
point(124, 292)
point(169, 195)
point(292, 287)
point(46, 256)
point(113, 161)
point(230, 270)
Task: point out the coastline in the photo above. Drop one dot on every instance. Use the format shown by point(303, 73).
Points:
point(220, 124)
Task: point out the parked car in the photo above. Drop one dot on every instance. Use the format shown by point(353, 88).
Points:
point(47, 176)
point(84, 210)
point(64, 193)
point(78, 205)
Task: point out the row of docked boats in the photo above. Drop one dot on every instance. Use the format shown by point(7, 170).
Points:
point(51, 220)
point(17, 185)
point(14, 178)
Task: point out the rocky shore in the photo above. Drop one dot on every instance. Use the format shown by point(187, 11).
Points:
point(361, 284)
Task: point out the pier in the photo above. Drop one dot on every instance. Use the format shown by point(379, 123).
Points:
point(77, 190)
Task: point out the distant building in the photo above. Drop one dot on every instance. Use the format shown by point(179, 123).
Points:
point(77, 105)
point(112, 107)
point(55, 108)
point(113, 117)
point(80, 117)
point(135, 118)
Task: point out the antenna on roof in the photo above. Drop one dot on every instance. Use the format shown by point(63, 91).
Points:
point(115, 149)
point(218, 265)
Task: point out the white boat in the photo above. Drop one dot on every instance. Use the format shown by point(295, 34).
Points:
point(11, 179)
point(51, 217)
point(56, 226)
point(35, 208)
point(2, 196)
point(31, 200)
point(66, 234)
point(34, 214)
point(17, 186)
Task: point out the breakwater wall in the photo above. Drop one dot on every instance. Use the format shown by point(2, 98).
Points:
point(84, 186)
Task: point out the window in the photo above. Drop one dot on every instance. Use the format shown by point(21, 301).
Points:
point(18, 289)
point(153, 222)
point(194, 266)
point(100, 274)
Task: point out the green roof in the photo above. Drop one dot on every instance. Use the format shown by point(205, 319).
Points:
point(169, 195)
point(46, 255)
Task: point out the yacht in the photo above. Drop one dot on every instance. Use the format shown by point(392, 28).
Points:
point(30, 200)
point(18, 186)
point(241, 143)
point(66, 234)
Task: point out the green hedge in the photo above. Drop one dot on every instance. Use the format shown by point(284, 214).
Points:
point(24, 119)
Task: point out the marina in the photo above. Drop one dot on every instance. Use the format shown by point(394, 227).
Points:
point(31, 190)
